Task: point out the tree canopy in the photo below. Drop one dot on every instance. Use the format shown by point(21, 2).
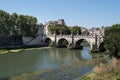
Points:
point(112, 40)
point(59, 29)
point(25, 23)
point(76, 30)
point(17, 24)
point(4, 22)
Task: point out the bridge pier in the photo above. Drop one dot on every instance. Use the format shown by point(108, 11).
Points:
point(71, 45)
point(95, 47)
point(54, 43)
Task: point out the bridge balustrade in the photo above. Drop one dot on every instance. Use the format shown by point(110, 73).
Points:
point(68, 36)
point(75, 36)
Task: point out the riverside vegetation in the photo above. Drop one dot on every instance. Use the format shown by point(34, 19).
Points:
point(111, 70)
point(5, 51)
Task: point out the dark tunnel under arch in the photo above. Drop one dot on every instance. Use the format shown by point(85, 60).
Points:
point(63, 43)
point(102, 47)
point(80, 43)
point(47, 41)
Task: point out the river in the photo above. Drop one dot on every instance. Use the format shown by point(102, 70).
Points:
point(37, 59)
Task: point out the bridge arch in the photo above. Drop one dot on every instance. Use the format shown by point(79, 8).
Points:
point(101, 47)
point(47, 41)
point(62, 42)
point(78, 42)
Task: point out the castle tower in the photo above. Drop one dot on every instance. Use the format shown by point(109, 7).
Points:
point(40, 29)
point(61, 21)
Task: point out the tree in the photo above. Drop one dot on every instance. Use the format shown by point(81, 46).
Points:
point(17, 24)
point(112, 40)
point(59, 29)
point(26, 24)
point(14, 28)
point(53, 28)
point(85, 32)
point(76, 30)
point(5, 24)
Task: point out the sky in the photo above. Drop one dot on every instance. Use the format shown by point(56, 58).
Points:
point(84, 13)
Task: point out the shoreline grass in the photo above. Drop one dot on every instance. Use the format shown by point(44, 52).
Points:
point(86, 76)
point(108, 71)
point(5, 51)
point(28, 76)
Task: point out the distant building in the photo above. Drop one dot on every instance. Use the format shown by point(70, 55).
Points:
point(83, 29)
point(96, 31)
point(59, 21)
point(40, 29)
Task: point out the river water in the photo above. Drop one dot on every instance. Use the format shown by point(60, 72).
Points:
point(38, 59)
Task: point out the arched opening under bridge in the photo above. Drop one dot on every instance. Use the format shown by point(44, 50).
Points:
point(62, 43)
point(101, 47)
point(81, 43)
point(48, 41)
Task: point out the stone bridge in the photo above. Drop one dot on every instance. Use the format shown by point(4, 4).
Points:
point(94, 41)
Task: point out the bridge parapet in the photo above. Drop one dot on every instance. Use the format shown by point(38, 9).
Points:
point(67, 36)
point(70, 36)
point(81, 36)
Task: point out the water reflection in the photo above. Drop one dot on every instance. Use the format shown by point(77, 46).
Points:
point(38, 59)
point(85, 53)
